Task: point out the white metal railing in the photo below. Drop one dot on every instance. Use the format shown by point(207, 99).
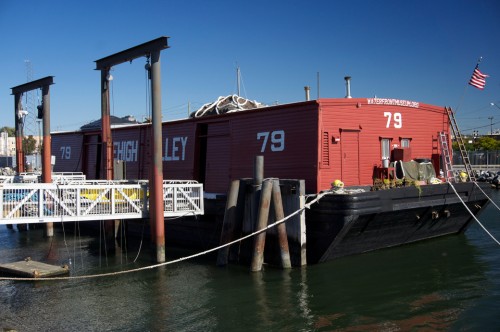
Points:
point(57, 177)
point(68, 177)
point(51, 202)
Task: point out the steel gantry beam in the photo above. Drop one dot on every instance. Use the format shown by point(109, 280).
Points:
point(152, 50)
point(17, 91)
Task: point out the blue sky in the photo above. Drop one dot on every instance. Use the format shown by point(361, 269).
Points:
point(422, 51)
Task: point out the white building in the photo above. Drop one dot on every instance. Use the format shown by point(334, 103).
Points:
point(7, 145)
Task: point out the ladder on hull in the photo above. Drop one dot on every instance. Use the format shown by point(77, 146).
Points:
point(445, 154)
point(461, 145)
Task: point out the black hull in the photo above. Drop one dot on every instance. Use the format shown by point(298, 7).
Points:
point(341, 225)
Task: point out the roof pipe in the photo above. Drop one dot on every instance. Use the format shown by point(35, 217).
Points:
point(348, 86)
point(307, 89)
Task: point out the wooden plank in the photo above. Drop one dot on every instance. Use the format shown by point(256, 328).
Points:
point(34, 269)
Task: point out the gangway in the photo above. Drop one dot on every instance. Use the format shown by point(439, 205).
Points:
point(85, 201)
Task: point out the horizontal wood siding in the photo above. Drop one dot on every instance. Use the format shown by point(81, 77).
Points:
point(298, 141)
point(90, 157)
point(67, 149)
point(418, 124)
point(349, 157)
point(133, 144)
point(127, 147)
point(286, 136)
point(178, 150)
point(218, 173)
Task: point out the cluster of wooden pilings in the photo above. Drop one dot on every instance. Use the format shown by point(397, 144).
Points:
point(252, 205)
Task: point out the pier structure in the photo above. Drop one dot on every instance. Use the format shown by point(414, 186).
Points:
point(151, 50)
point(93, 200)
point(44, 114)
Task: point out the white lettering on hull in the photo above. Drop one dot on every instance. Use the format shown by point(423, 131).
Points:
point(175, 149)
point(126, 150)
point(394, 102)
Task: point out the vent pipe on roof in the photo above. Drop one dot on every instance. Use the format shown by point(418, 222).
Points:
point(348, 86)
point(307, 89)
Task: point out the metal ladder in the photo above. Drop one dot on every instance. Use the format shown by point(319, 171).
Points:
point(445, 154)
point(461, 145)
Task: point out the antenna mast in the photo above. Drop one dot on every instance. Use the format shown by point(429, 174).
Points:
point(238, 80)
point(30, 99)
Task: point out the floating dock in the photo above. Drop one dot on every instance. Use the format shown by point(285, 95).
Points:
point(33, 269)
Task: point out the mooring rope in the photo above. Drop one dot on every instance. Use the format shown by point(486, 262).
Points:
point(109, 274)
point(489, 198)
point(473, 216)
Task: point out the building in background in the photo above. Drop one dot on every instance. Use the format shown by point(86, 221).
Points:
point(8, 152)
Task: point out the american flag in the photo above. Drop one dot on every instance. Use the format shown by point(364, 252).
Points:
point(478, 79)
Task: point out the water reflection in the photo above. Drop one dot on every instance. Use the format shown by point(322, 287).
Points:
point(440, 284)
point(426, 285)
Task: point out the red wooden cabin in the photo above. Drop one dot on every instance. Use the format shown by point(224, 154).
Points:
point(318, 141)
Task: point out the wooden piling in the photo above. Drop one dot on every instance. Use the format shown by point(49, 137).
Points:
point(258, 171)
point(22, 227)
point(282, 235)
point(263, 215)
point(228, 225)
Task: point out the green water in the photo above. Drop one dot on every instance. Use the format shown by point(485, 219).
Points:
point(449, 284)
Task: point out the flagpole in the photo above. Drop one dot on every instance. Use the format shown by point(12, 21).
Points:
point(461, 98)
point(479, 61)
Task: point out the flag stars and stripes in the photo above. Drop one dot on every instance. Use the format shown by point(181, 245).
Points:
point(478, 79)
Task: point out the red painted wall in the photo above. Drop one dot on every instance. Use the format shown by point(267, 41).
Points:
point(419, 123)
point(67, 148)
point(318, 141)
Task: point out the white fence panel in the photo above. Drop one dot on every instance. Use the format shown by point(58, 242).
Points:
point(51, 202)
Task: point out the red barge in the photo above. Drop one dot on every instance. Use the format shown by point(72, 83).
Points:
point(358, 141)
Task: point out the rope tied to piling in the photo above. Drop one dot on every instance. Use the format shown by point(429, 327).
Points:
point(318, 197)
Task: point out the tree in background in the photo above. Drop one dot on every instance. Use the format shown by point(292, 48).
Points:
point(468, 146)
point(29, 145)
point(486, 143)
point(481, 143)
point(10, 131)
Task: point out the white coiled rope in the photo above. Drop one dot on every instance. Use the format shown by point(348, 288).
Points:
point(228, 104)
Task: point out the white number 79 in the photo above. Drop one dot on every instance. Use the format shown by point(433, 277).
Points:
point(398, 120)
point(277, 140)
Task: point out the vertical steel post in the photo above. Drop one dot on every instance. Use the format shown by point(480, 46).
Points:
point(46, 164)
point(18, 120)
point(157, 174)
point(47, 153)
point(106, 125)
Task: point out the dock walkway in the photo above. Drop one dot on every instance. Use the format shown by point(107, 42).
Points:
point(81, 200)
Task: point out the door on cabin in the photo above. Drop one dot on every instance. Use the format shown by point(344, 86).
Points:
point(349, 150)
point(91, 156)
point(212, 167)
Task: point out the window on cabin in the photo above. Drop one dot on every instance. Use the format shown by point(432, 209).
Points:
point(385, 144)
point(405, 142)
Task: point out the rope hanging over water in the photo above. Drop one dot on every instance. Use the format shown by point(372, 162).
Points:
point(109, 274)
point(306, 206)
point(472, 214)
